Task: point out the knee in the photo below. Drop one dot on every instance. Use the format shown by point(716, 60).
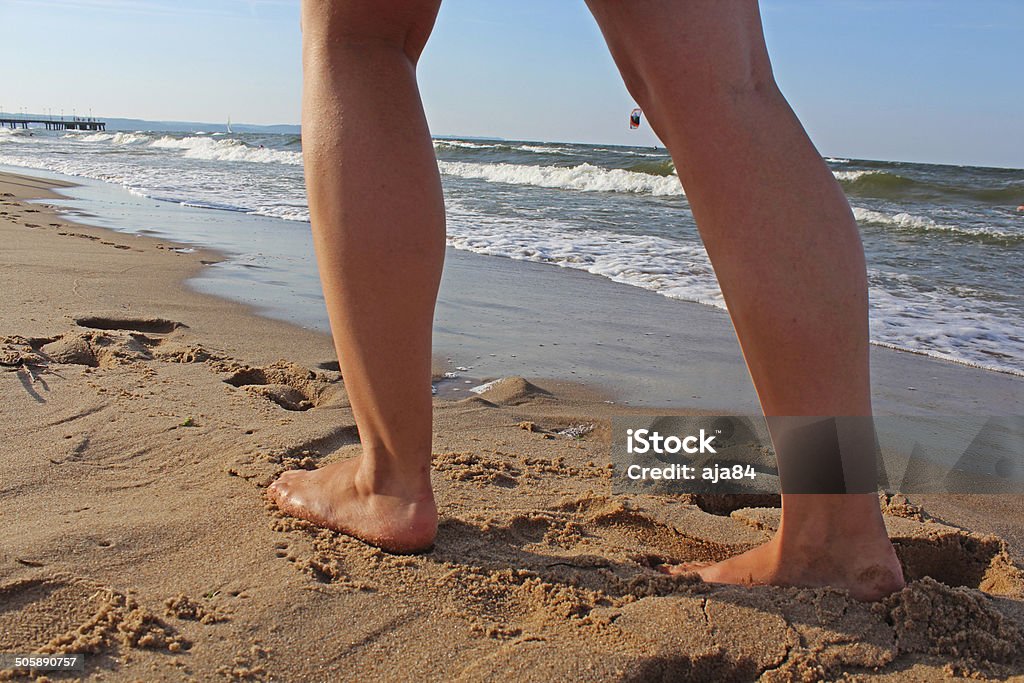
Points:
point(688, 87)
point(690, 101)
point(687, 59)
point(394, 24)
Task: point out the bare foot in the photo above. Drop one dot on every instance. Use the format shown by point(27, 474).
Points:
point(400, 520)
point(869, 570)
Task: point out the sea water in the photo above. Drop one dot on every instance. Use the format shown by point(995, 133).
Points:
point(944, 244)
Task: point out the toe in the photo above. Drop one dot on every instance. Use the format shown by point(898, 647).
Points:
point(273, 493)
point(288, 474)
point(279, 490)
point(683, 568)
point(284, 482)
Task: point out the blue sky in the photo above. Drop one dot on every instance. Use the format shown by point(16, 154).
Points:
point(914, 80)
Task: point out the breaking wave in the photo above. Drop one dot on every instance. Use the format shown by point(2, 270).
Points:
point(582, 178)
point(227, 149)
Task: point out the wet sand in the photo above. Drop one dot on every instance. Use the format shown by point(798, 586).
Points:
point(650, 350)
point(142, 421)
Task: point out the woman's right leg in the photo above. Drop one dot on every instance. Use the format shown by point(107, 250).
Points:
point(786, 251)
point(378, 227)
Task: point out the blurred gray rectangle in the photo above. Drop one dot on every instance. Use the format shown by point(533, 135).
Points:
point(848, 454)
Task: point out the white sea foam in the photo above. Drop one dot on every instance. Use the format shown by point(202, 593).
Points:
point(288, 213)
point(663, 154)
point(670, 267)
point(901, 220)
point(909, 221)
point(464, 144)
point(228, 149)
point(130, 138)
point(851, 176)
point(20, 135)
point(584, 178)
point(95, 137)
point(8, 135)
point(538, 149)
point(118, 138)
point(937, 323)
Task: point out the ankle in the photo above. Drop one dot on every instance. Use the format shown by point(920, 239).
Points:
point(385, 474)
point(812, 519)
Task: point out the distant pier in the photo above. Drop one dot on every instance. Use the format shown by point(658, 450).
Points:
point(54, 123)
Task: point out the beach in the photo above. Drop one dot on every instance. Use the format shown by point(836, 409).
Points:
point(143, 420)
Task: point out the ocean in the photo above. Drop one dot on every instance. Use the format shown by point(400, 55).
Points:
point(944, 244)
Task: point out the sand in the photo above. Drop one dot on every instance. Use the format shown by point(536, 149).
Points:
point(141, 422)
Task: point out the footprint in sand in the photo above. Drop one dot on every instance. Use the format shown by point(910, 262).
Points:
point(286, 384)
point(111, 341)
point(95, 349)
point(187, 609)
point(151, 325)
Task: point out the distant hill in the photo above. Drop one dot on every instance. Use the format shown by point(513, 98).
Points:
point(195, 126)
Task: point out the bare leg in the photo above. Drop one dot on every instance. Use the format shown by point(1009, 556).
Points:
point(786, 252)
point(378, 227)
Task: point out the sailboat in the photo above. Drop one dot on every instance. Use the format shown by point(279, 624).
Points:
point(229, 123)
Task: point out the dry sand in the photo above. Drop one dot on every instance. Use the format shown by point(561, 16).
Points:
point(141, 422)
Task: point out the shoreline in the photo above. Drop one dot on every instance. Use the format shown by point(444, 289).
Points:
point(498, 316)
point(168, 297)
point(142, 421)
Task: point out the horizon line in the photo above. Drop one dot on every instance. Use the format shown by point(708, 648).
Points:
point(498, 138)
